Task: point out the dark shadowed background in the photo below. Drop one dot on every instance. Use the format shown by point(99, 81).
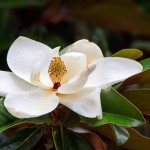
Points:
point(112, 24)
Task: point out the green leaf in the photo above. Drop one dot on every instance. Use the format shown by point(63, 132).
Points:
point(139, 97)
point(143, 77)
point(67, 140)
point(129, 53)
point(21, 3)
point(94, 140)
point(116, 109)
point(145, 63)
point(7, 120)
point(144, 129)
point(23, 140)
point(136, 141)
point(70, 118)
point(120, 133)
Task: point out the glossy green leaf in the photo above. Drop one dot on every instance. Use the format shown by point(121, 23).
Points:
point(67, 140)
point(70, 118)
point(143, 77)
point(94, 140)
point(121, 135)
point(118, 134)
point(139, 97)
point(145, 63)
point(7, 120)
point(144, 129)
point(116, 109)
point(129, 53)
point(23, 140)
point(136, 141)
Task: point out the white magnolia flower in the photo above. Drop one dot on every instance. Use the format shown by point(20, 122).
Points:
point(41, 78)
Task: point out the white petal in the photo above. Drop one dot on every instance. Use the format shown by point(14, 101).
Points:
point(44, 76)
point(77, 83)
point(75, 63)
point(23, 54)
point(10, 83)
point(92, 51)
point(111, 70)
point(39, 73)
point(86, 102)
point(31, 104)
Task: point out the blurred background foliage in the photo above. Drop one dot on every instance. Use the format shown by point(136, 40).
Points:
point(112, 24)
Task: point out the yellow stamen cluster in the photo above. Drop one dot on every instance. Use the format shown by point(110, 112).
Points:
point(57, 70)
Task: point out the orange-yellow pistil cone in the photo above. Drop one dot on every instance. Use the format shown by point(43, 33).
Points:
point(57, 71)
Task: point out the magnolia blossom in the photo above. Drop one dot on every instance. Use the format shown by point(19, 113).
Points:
point(41, 78)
